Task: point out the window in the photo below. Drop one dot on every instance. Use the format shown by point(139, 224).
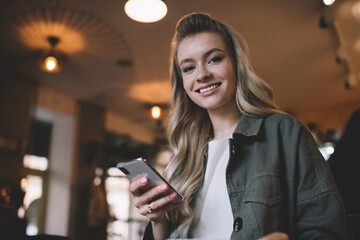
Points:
point(126, 222)
point(35, 173)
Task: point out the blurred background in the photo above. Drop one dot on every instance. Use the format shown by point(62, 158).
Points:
point(65, 121)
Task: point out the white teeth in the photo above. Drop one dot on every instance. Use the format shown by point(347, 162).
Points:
point(209, 88)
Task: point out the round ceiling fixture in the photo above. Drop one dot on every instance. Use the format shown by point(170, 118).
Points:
point(155, 112)
point(146, 11)
point(51, 62)
point(328, 2)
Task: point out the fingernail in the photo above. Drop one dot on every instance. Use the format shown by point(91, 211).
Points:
point(173, 195)
point(143, 180)
point(164, 187)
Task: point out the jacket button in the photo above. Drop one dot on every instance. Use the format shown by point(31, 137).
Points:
point(233, 149)
point(237, 224)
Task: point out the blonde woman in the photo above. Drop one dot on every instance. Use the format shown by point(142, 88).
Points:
point(246, 170)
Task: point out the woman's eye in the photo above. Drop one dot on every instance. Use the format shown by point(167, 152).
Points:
point(215, 59)
point(188, 69)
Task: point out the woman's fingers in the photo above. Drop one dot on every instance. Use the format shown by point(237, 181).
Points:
point(150, 195)
point(135, 186)
point(146, 209)
point(160, 192)
point(158, 214)
point(153, 209)
point(159, 203)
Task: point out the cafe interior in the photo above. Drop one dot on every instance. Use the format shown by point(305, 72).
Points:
point(84, 85)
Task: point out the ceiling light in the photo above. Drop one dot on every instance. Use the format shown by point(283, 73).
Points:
point(51, 63)
point(328, 2)
point(146, 11)
point(155, 112)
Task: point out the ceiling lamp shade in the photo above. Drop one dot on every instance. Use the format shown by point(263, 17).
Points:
point(146, 11)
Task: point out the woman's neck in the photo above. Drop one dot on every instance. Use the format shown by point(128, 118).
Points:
point(224, 122)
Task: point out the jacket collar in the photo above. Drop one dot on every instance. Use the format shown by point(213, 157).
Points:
point(248, 126)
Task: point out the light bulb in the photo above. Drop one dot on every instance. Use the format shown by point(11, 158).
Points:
point(51, 64)
point(146, 11)
point(156, 112)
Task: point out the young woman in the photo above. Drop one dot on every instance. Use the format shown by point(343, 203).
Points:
point(245, 169)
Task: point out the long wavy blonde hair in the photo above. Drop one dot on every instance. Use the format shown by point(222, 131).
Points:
point(190, 129)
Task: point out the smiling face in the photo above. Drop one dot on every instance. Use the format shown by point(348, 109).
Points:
point(207, 70)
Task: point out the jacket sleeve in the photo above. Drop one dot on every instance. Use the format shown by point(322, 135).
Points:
point(148, 234)
point(319, 207)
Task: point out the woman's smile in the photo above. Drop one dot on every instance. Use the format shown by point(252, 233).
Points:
point(206, 89)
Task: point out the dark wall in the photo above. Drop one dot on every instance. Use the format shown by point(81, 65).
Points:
point(17, 99)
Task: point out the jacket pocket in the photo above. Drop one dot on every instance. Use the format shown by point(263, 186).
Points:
point(263, 200)
point(265, 190)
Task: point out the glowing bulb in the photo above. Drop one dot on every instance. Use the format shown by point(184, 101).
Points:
point(155, 112)
point(328, 2)
point(146, 11)
point(51, 64)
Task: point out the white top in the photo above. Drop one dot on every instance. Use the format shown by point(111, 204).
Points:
point(213, 217)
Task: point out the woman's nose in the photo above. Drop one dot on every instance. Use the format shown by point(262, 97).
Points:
point(203, 74)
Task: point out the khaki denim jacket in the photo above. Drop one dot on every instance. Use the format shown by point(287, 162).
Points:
point(278, 181)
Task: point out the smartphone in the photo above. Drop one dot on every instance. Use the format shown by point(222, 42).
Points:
point(138, 168)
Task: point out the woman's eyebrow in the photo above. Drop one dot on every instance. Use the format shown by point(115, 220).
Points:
point(205, 55)
point(213, 50)
point(185, 60)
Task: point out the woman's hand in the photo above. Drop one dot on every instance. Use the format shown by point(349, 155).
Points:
point(275, 236)
point(154, 210)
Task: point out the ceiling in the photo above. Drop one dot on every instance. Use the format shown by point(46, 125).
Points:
point(113, 61)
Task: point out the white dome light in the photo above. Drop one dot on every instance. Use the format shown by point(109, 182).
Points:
point(146, 11)
point(328, 2)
